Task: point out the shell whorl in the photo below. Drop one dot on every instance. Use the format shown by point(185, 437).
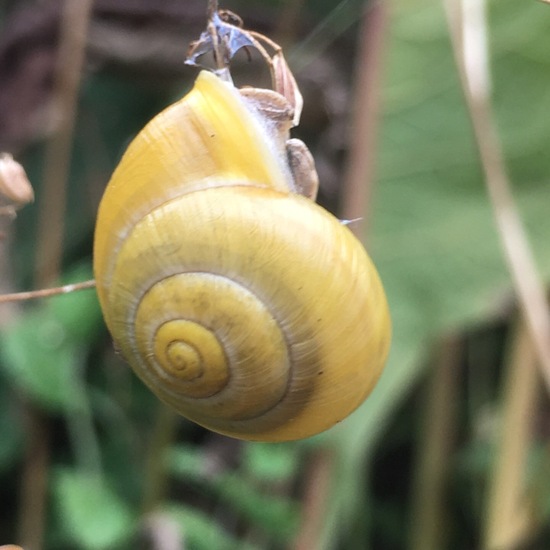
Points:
point(249, 309)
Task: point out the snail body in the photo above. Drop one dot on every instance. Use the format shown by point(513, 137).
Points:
point(240, 302)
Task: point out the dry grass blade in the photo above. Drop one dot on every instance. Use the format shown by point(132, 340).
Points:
point(510, 517)
point(468, 36)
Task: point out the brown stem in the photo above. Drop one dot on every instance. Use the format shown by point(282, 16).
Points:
point(355, 193)
point(314, 507)
point(33, 488)
point(74, 25)
point(46, 292)
point(71, 55)
point(510, 515)
point(359, 175)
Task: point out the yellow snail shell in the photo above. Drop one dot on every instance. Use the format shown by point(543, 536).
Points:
point(243, 305)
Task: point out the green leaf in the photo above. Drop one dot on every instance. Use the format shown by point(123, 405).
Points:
point(37, 356)
point(271, 462)
point(186, 463)
point(78, 312)
point(277, 516)
point(41, 351)
point(91, 514)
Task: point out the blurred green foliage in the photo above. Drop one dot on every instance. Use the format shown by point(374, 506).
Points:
point(93, 515)
point(41, 350)
point(433, 239)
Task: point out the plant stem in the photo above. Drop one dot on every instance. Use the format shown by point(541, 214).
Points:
point(359, 174)
point(46, 292)
point(72, 47)
point(510, 516)
point(318, 505)
point(314, 507)
point(469, 40)
point(33, 487)
point(74, 25)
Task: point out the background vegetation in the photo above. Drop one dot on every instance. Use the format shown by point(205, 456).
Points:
point(451, 449)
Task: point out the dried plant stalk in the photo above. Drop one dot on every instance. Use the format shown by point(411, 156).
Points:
point(510, 518)
point(359, 174)
point(469, 39)
point(72, 46)
point(46, 292)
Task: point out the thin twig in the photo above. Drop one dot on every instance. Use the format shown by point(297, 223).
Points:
point(469, 40)
point(46, 292)
point(358, 178)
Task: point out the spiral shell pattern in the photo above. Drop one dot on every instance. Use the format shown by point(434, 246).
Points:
point(249, 310)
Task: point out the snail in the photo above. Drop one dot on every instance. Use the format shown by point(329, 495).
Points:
point(239, 301)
